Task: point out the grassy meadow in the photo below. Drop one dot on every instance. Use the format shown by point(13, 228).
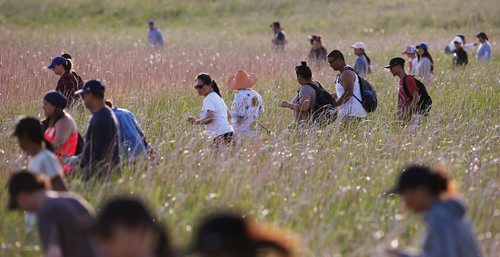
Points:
point(323, 186)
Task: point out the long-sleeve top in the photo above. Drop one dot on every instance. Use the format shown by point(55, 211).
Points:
point(67, 85)
point(132, 140)
point(318, 54)
point(484, 52)
point(101, 152)
point(155, 38)
point(361, 66)
point(424, 70)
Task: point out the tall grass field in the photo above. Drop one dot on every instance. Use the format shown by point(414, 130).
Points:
point(324, 186)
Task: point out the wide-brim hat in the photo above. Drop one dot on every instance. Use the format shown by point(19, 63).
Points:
point(242, 80)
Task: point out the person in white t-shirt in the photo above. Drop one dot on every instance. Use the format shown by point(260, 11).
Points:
point(30, 135)
point(214, 112)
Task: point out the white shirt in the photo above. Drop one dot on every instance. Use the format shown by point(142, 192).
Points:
point(245, 110)
point(424, 70)
point(46, 163)
point(220, 124)
point(414, 65)
point(351, 108)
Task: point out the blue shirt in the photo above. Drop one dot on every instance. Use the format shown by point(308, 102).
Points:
point(100, 152)
point(132, 142)
point(155, 38)
point(361, 66)
point(484, 52)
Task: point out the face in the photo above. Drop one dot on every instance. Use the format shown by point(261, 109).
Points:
point(335, 64)
point(420, 51)
point(415, 199)
point(202, 88)
point(395, 70)
point(48, 109)
point(275, 29)
point(481, 40)
point(59, 69)
point(358, 52)
point(151, 25)
point(25, 202)
point(316, 44)
point(23, 142)
point(457, 45)
point(123, 242)
point(87, 99)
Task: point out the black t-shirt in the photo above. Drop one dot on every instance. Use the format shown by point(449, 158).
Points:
point(461, 57)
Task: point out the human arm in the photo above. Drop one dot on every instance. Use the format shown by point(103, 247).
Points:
point(348, 78)
point(49, 233)
point(209, 118)
point(64, 128)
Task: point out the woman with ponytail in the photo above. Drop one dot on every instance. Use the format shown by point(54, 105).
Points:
point(126, 228)
point(431, 193)
point(231, 235)
point(30, 135)
point(67, 83)
point(214, 112)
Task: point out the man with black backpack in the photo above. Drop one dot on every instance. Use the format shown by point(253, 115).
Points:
point(313, 102)
point(413, 99)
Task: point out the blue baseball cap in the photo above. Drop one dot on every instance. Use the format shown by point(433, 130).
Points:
point(92, 86)
point(423, 46)
point(56, 61)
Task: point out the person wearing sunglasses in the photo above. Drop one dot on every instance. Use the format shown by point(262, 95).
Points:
point(214, 112)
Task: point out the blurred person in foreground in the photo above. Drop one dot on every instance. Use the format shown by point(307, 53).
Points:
point(100, 157)
point(318, 52)
point(126, 228)
point(429, 192)
point(214, 112)
point(411, 52)
point(279, 40)
point(155, 38)
point(246, 106)
point(63, 218)
point(67, 83)
point(133, 144)
point(231, 235)
point(484, 51)
point(60, 128)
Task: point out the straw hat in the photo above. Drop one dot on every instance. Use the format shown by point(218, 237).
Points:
point(242, 80)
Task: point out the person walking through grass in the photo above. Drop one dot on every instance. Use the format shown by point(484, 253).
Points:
point(100, 157)
point(214, 112)
point(246, 106)
point(363, 62)
point(67, 83)
point(126, 228)
point(155, 38)
point(60, 128)
point(231, 235)
point(460, 58)
point(79, 79)
point(431, 193)
point(484, 51)
point(425, 67)
point(63, 217)
point(318, 52)
point(279, 40)
point(411, 52)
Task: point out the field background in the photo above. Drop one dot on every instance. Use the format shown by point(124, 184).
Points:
point(325, 187)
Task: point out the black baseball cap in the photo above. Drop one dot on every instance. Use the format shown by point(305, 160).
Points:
point(23, 181)
point(395, 61)
point(411, 177)
point(92, 86)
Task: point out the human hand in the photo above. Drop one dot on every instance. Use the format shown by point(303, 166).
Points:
point(191, 119)
point(285, 104)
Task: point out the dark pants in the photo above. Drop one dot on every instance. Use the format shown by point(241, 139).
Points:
point(224, 139)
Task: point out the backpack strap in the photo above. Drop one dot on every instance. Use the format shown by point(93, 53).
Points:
point(359, 81)
point(405, 88)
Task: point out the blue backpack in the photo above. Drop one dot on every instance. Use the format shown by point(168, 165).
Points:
point(368, 94)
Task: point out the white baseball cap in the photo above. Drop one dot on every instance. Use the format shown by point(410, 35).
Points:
point(458, 39)
point(359, 45)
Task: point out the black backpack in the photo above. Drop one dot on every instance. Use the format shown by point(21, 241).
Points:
point(325, 109)
point(79, 145)
point(424, 104)
point(368, 94)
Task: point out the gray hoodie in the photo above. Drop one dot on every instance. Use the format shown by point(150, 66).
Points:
point(449, 234)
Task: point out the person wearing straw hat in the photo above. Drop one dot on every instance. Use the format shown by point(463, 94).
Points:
point(247, 104)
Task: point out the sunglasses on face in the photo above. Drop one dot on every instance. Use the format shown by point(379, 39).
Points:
point(199, 86)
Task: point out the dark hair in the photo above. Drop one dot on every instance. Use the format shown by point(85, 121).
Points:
point(109, 103)
point(367, 58)
point(66, 56)
point(315, 38)
point(58, 114)
point(68, 66)
point(237, 236)
point(131, 212)
point(207, 80)
point(303, 70)
point(32, 129)
point(433, 180)
point(336, 54)
point(23, 181)
point(428, 55)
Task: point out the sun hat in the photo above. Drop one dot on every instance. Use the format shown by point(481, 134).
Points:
point(359, 45)
point(241, 80)
point(409, 50)
point(56, 99)
point(56, 61)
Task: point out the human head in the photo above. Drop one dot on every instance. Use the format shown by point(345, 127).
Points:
point(396, 66)
point(151, 24)
point(315, 41)
point(205, 84)
point(30, 134)
point(410, 51)
point(230, 235)
point(303, 72)
point(359, 48)
point(60, 65)
point(66, 56)
point(54, 102)
point(420, 185)
point(422, 48)
point(125, 227)
point(482, 37)
point(22, 186)
point(458, 42)
point(276, 26)
point(336, 60)
point(92, 93)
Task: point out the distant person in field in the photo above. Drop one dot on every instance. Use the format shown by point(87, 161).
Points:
point(279, 40)
point(347, 90)
point(460, 57)
point(425, 67)
point(318, 53)
point(100, 155)
point(246, 106)
point(450, 48)
point(239, 237)
point(77, 77)
point(30, 136)
point(126, 228)
point(60, 128)
point(429, 192)
point(67, 83)
point(63, 218)
point(214, 112)
point(155, 38)
point(133, 143)
point(484, 51)
point(363, 63)
point(303, 103)
point(411, 52)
